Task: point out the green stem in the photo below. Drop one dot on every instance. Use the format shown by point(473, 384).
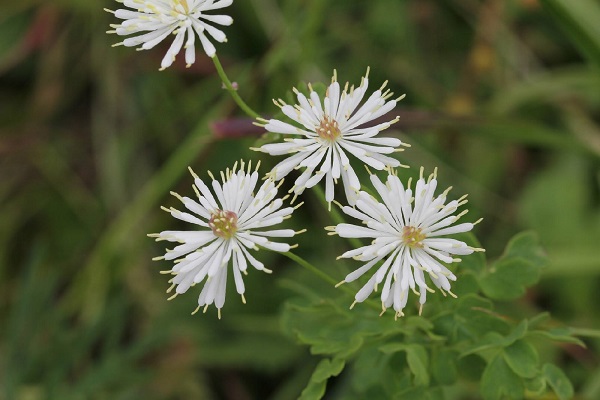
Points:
point(325, 277)
point(232, 91)
point(336, 216)
point(311, 268)
point(591, 333)
point(92, 281)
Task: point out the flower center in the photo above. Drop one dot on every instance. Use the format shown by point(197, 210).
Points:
point(328, 129)
point(223, 223)
point(412, 236)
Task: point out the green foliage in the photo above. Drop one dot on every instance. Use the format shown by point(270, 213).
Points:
point(579, 20)
point(93, 138)
point(516, 270)
point(559, 382)
point(318, 381)
point(426, 353)
point(499, 381)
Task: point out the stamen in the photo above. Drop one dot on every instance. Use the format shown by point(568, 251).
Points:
point(223, 223)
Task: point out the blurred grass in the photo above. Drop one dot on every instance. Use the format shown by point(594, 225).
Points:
point(92, 139)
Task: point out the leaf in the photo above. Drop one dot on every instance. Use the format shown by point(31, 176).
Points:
point(490, 341)
point(330, 328)
point(471, 368)
point(539, 319)
point(547, 87)
point(579, 19)
point(560, 335)
point(493, 340)
point(522, 358)
point(536, 385)
point(509, 278)
point(518, 268)
point(558, 381)
point(443, 367)
point(474, 318)
point(318, 381)
point(526, 245)
point(13, 31)
point(416, 357)
point(499, 381)
point(517, 333)
point(466, 284)
point(370, 366)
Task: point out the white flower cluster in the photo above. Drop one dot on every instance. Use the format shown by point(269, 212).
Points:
point(328, 131)
point(409, 239)
point(408, 229)
point(229, 224)
point(152, 21)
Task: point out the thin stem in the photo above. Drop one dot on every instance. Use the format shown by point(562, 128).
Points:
point(92, 281)
point(585, 332)
point(232, 91)
point(324, 276)
point(336, 216)
point(310, 267)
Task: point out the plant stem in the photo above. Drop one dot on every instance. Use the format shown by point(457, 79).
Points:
point(92, 281)
point(310, 267)
point(324, 276)
point(232, 91)
point(336, 216)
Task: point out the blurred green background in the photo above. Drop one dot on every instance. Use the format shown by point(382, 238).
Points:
point(502, 96)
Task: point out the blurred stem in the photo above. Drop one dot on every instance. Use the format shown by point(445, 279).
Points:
point(585, 332)
point(92, 282)
point(311, 268)
point(232, 91)
point(325, 277)
point(336, 216)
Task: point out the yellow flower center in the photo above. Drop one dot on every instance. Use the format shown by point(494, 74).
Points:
point(328, 129)
point(412, 236)
point(223, 223)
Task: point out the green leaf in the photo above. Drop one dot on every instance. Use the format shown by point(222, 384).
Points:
point(526, 245)
point(490, 341)
point(509, 278)
point(318, 381)
point(560, 335)
point(518, 268)
point(370, 366)
point(466, 284)
point(471, 367)
point(416, 357)
point(443, 367)
point(499, 381)
point(517, 333)
point(547, 87)
point(522, 358)
point(536, 385)
point(13, 31)
point(493, 340)
point(579, 19)
point(539, 319)
point(474, 318)
point(558, 381)
point(330, 328)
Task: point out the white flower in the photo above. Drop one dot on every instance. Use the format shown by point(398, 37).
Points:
point(228, 225)
point(330, 129)
point(154, 20)
point(409, 237)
